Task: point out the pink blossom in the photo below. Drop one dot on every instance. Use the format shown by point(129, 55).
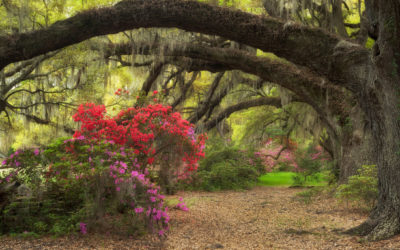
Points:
point(138, 210)
point(158, 215)
point(83, 228)
point(123, 164)
point(80, 137)
point(148, 212)
point(141, 177)
point(182, 206)
point(36, 151)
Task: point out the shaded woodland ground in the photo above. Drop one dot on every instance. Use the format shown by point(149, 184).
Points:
point(261, 218)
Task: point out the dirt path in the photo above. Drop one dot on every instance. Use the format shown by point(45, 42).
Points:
point(262, 218)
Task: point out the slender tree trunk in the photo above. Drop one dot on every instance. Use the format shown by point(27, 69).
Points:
point(337, 18)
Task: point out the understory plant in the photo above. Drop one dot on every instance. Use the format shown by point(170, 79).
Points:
point(361, 188)
point(310, 162)
point(114, 169)
point(227, 167)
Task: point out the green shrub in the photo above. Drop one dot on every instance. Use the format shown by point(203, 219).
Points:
point(283, 166)
point(361, 188)
point(52, 210)
point(224, 176)
point(227, 168)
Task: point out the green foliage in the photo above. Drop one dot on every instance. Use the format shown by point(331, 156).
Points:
point(361, 188)
point(310, 166)
point(283, 166)
point(227, 175)
point(55, 210)
point(227, 167)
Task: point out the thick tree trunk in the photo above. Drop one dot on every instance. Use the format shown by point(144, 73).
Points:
point(353, 155)
point(356, 145)
point(382, 103)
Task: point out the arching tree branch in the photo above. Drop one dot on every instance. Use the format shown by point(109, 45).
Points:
point(270, 101)
point(305, 46)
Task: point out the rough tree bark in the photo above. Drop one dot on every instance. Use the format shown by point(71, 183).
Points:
point(372, 77)
point(382, 106)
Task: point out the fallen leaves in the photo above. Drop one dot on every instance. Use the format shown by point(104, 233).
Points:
point(261, 218)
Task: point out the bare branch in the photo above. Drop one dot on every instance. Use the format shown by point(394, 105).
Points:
point(185, 89)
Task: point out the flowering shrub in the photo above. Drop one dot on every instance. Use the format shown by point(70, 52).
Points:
point(289, 157)
point(277, 156)
point(181, 205)
point(111, 162)
point(154, 132)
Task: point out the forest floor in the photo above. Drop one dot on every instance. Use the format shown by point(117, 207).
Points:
point(261, 218)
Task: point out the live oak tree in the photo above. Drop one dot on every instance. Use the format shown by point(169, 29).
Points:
point(345, 153)
point(317, 58)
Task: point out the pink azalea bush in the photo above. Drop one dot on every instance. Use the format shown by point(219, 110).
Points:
point(116, 159)
point(275, 155)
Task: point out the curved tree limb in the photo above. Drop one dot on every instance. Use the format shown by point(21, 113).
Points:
point(308, 86)
point(262, 101)
point(302, 45)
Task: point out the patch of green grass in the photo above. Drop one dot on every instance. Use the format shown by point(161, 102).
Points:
point(286, 179)
point(172, 202)
point(277, 179)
